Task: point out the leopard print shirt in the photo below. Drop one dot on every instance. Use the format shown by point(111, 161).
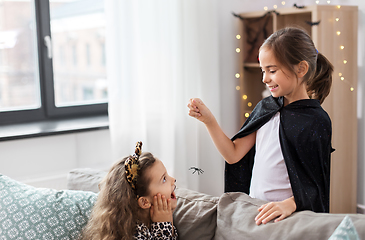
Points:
point(158, 231)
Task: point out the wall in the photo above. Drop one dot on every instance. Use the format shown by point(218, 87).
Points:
point(45, 161)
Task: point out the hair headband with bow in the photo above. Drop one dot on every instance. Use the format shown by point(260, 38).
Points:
point(131, 166)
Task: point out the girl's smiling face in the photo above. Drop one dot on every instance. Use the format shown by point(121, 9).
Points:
point(280, 81)
point(161, 182)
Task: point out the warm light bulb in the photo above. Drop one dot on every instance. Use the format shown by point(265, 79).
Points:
point(238, 36)
point(317, 2)
point(338, 6)
point(265, 8)
point(342, 47)
point(249, 104)
point(338, 33)
point(344, 61)
point(244, 97)
point(340, 74)
point(275, 6)
point(247, 115)
point(283, 3)
point(342, 78)
point(237, 75)
point(337, 19)
point(352, 89)
point(238, 88)
point(328, 2)
point(238, 50)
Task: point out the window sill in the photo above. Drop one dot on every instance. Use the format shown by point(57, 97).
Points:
point(52, 127)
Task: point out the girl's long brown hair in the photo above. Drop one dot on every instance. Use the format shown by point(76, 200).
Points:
point(116, 211)
point(292, 45)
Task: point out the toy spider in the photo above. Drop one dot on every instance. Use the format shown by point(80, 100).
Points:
point(199, 170)
point(312, 23)
point(299, 7)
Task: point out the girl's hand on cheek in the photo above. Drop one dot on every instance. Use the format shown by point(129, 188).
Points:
point(161, 209)
point(275, 210)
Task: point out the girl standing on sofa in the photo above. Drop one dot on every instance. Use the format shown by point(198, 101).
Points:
point(282, 152)
point(136, 201)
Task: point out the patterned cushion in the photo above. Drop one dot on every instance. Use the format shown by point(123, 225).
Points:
point(345, 231)
point(37, 213)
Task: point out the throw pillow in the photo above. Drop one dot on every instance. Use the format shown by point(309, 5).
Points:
point(345, 231)
point(195, 216)
point(27, 212)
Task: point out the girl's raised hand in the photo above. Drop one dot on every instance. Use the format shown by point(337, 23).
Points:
point(198, 110)
point(161, 209)
point(275, 210)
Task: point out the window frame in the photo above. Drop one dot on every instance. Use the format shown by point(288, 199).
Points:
point(48, 109)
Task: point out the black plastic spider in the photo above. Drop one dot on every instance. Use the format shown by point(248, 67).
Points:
point(299, 7)
point(199, 170)
point(312, 23)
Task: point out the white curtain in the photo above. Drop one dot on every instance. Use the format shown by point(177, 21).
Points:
point(161, 53)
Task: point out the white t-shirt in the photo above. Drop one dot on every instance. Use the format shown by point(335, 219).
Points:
point(270, 180)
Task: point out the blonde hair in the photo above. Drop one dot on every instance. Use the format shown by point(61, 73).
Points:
point(116, 211)
point(292, 45)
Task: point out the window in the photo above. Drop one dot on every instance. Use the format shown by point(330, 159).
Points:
point(74, 55)
point(103, 54)
point(88, 58)
point(44, 73)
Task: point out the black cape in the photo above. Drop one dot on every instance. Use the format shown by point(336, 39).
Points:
point(305, 133)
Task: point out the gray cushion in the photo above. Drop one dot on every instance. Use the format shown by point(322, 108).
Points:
point(195, 215)
point(37, 213)
point(237, 211)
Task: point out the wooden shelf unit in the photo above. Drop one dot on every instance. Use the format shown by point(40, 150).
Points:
point(341, 104)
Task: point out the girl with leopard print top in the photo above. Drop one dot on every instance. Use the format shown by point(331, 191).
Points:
point(136, 201)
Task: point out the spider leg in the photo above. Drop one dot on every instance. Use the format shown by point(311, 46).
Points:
point(196, 169)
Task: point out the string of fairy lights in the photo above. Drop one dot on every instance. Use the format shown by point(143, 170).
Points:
point(341, 47)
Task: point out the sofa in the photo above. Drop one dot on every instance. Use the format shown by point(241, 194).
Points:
point(37, 213)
